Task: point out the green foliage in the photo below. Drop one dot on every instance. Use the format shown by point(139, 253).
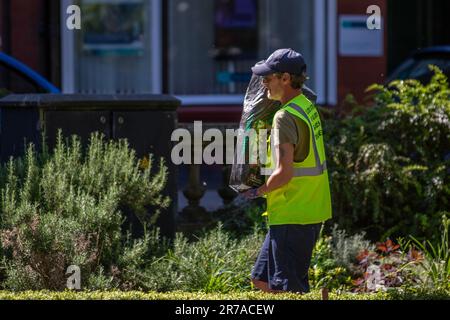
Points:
point(389, 164)
point(247, 295)
point(409, 268)
point(334, 258)
point(213, 263)
point(345, 248)
point(64, 208)
point(239, 217)
point(433, 270)
point(384, 268)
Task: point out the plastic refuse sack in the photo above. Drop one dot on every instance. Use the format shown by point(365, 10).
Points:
point(258, 112)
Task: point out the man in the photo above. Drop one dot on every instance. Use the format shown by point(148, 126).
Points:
point(297, 191)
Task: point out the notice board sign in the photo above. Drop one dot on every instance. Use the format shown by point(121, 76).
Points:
point(357, 40)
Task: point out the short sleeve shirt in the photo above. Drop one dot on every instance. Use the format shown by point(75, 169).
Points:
point(292, 129)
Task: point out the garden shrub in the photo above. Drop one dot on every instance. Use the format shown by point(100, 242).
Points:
point(389, 163)
point(433, 267)
point(384, 267)
point(415, 268)
point(324, 271)
point(346, 248)
point(334, 258)
point(215, 262)
point(63, 208)
point(410, 267)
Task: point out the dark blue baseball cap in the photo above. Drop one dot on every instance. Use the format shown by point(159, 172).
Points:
point(281, 60)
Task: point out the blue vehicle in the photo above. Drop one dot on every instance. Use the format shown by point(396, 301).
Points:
point(416, 65)
point(16, 77)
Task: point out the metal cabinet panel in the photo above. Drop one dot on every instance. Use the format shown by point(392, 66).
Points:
point(150, 132)
point(79, 122)
point(147, 121)
point(18, 127)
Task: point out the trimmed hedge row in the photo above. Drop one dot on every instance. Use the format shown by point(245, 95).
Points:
point(179, 295)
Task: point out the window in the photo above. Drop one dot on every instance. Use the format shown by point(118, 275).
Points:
point(117, 49)
point(213, 44)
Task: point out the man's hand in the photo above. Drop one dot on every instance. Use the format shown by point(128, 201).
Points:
point(251, 194)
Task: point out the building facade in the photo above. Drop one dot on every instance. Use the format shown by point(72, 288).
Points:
point(201, 51)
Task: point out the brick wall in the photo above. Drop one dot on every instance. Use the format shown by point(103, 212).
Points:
point(3, 26)
point(33, 36)
point(27, 33)
point(355, 74)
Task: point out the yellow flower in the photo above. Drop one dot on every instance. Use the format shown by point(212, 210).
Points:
point(144, 163)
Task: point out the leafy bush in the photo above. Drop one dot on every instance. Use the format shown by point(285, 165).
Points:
point(64, 208)
point(433, 270)
point(351, 263)
point(334, 258)
point(324, 271)
point(346, 248)
point(389, 164)
point(384, 268)
point(213, 263)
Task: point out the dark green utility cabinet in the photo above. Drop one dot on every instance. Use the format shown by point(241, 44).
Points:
point(147, 121)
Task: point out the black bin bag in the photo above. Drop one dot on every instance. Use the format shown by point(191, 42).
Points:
point(258, 112)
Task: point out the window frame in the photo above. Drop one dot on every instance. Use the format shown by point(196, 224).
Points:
point(68, 47)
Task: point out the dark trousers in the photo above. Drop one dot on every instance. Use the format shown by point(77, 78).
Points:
point(285, 256)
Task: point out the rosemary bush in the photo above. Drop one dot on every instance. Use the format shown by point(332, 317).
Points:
point(63, 208)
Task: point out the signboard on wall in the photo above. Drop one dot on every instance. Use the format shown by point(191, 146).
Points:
point(357, 40)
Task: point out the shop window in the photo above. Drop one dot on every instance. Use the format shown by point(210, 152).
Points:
point(213, 44)
point(114, 52)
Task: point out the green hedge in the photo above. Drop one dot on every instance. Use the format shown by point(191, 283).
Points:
point(179, 295)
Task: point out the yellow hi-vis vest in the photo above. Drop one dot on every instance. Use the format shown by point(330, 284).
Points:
point(306, 198)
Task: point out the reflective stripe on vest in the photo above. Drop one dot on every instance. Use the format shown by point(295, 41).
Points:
point(303, 172)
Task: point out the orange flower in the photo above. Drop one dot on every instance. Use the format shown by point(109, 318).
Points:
point(362, 255)
point(387, 246)
point(415, 255)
